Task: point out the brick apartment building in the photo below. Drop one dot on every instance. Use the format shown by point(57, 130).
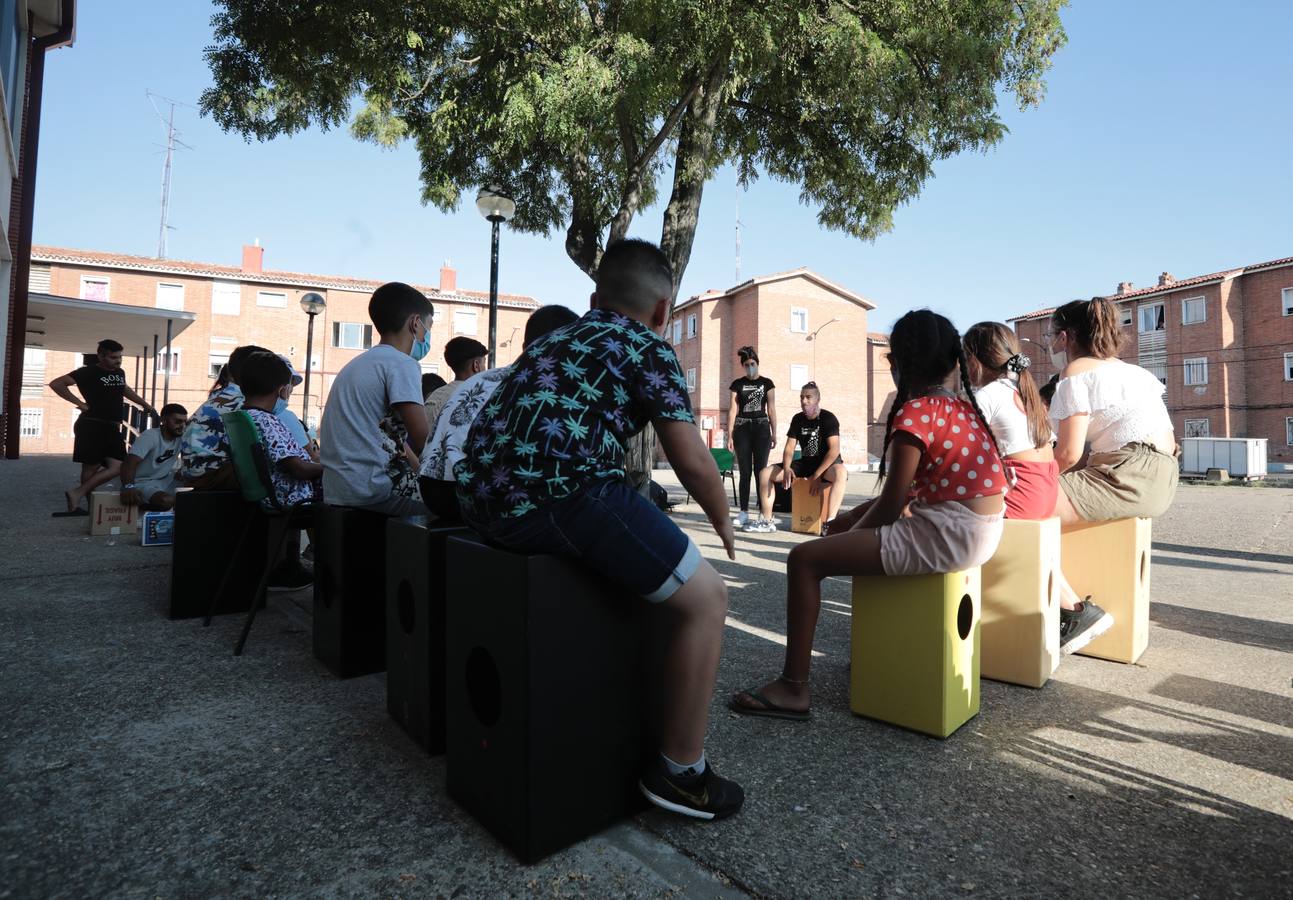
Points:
point(804, 327)
point(233, 305)
point(28, 31)
point(1222, 343)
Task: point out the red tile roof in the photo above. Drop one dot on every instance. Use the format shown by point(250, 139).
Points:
point(801, 272)
point(268, 276)
point(1171, 286)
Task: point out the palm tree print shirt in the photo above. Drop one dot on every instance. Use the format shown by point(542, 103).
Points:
point(562, 417)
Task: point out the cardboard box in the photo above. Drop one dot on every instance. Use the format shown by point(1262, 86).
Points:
point(805, 509)
point(157, 529)
point(108, 515)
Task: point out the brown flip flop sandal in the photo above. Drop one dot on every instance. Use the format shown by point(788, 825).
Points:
point(769, 709)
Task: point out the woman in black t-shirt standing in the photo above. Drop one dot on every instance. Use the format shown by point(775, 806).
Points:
point(752, 423)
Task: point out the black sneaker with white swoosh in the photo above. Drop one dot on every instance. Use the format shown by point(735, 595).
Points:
point(701, 796)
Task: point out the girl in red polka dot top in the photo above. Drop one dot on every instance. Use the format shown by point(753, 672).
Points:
point(939, 510)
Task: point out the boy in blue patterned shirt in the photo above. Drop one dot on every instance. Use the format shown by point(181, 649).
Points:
point(544, 473)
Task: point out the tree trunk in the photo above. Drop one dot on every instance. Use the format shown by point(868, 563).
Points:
point(693, 165)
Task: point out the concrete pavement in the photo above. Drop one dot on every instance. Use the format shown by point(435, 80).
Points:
point(140, 758)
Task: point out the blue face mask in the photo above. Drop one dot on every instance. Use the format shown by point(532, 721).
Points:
point(279, 406)
point(422, 346)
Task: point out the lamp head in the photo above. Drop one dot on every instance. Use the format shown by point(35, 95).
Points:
point(313, 303)
point(495, 204)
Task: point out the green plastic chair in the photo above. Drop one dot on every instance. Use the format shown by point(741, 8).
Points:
point(251, 464)
point(725, 460)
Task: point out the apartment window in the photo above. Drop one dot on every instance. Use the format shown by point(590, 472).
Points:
point(691, 381)
point(275, 299)
point(33, 373)
point(226, 297)
point(1193, 311)
point(94, 288)
point(169, 361)
point(170, 296)
point(1196, 371)
point(30, 422)
point(1286, 297)
point(1196, 428)
point(352, 335)
point(799, 320)
point(217, 362)
point(798, 377)
point(38, 279)
point(464, 321)
point(1288, 431)
point(430, 368)
point(691, 326)
point(1152, 317)
point(1288, 366)
point(677, 332)
point(1125, 315)
point(1158, 370)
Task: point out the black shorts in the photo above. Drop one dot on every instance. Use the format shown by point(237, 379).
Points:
point(96, 441)
point(804, 468)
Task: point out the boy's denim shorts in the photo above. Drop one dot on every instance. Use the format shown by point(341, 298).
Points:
point(611, 529)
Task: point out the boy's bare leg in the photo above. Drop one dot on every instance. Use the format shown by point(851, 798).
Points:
point(690, 662)
point(855, 552)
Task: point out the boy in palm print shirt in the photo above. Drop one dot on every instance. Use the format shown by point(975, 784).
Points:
point(544, 473)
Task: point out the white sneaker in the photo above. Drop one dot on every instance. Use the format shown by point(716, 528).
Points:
point(741, 519)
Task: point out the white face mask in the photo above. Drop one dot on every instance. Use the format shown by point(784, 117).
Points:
point(1059, 359)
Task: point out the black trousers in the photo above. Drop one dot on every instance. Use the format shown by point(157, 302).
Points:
point(751, 440)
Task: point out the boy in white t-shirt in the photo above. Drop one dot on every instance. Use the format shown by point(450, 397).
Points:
point(374, 416)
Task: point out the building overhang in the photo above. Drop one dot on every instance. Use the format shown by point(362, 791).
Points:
point(77, 326)
point(52, 16)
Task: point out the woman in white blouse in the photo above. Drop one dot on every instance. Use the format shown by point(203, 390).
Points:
point(1118, 409)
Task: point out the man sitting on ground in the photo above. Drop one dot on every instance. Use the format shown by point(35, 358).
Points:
point(150, 474)
point(383, 383)
point(98, 445)
point(466, 357)
point(446, 445)
point(545, 473)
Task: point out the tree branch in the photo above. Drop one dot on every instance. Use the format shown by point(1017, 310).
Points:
point(632, 194)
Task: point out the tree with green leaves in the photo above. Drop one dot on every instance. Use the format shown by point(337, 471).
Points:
point(581, 107)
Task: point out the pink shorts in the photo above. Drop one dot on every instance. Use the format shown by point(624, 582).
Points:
point(939, 538)
point(1035, 489)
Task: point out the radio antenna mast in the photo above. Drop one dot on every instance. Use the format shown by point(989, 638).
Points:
point(172, 142)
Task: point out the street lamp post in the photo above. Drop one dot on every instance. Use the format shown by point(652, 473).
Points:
point(497, 207)
point(313, 304)
point(813, 337)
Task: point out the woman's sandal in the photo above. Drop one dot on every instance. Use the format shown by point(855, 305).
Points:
point(769, 709)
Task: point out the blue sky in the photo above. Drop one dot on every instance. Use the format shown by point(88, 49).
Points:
point(1164, 143)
